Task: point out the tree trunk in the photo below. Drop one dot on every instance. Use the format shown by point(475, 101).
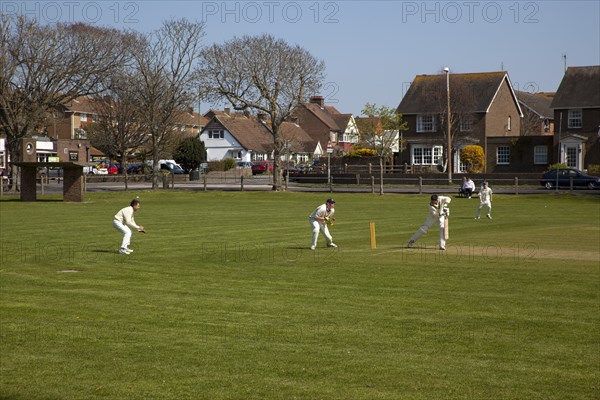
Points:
point(276, 159)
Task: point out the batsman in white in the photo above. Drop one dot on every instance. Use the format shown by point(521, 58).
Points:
point(319, 219)
point(438, 212)
point(485, 199)
point(123, 220)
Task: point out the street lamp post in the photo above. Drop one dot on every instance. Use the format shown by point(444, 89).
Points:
point(287, 164)
point(449, 124)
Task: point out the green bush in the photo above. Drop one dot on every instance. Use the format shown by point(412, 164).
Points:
point(228, 164)
point(221, 165)
point(360, 153)
point(555, 166)
point(593, 169)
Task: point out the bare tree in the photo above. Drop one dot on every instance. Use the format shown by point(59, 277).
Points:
point(380, 130)
point(42, 67)
point(265, 74)
point(167, 65)
point(117, 130)
point(462, 106)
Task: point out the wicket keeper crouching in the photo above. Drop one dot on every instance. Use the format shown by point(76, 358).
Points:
point(438, 212)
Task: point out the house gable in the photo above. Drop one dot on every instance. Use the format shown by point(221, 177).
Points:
point(579, 88)
point(324, 123)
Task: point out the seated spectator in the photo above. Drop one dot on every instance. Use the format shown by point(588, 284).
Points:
point(468, 187)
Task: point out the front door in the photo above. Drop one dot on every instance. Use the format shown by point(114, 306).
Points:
point(571, 151)
point(571, 156)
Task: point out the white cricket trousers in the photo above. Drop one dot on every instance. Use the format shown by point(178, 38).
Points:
point(316, 226)
point(124, 229)
point(489, 208)
point(423, 230)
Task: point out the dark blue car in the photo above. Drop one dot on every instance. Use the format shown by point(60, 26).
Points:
point(562, 177)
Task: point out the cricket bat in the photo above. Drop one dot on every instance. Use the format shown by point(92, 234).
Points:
point(446, 228)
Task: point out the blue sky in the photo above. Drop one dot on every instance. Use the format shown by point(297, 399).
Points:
point(373, 49)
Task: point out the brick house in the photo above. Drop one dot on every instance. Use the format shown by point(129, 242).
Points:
point(537, 127)
point(484, 111)
point(66, 129)
point(325, 124)
point(576, 107)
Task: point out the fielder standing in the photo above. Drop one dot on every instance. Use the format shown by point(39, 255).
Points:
point(123, 220)
point(438, 212)
point(319, 219)
point(485, 198)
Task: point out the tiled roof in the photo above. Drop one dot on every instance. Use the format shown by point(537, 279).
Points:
point(249, 132)
point(324, 116)
point(537, 102)
point(300, 141)
point(255, 135)
point(579, 88)
point(427, 93)
point(82, 104)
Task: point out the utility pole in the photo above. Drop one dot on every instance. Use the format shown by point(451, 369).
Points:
point(448, 123)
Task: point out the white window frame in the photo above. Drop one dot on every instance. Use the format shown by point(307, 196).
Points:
point(575, 119)
point(425, 123)
point(216, 134)
point(349, 138)
point(571, 155)
point(509, 123)
point(540, 155)
point(503, 155)
point(83, 117)
point(426, 155)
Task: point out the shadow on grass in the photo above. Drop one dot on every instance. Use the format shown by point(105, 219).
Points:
point(101, 251)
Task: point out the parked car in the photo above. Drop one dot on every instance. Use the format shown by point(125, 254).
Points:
point(136, 168)
point(562, 177)
point(243, 164)
point(113, 168)
point(171, 168)
point(109, 168)
point(51, 172)
point(90, 170)
point(292, 171)
point(260, 167)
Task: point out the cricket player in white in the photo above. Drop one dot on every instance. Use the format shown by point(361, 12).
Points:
point(123, 220)
point(485, 198)
point(318, 221)
point(438, 212)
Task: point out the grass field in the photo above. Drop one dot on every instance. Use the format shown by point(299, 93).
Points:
point(222, 299)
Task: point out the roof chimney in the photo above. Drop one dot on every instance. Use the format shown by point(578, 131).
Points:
point(261, 117)
point(227, 111)
point(318, 100)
